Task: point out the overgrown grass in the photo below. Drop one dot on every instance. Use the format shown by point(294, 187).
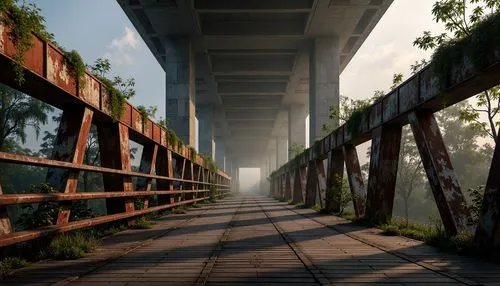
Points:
point(432, 234)
point(316, 208)
point(142, 223)
point(290, 201)
point(301, 206)
point(72, 246)
point(178, 210)
point(280, 199)
point(11, 263)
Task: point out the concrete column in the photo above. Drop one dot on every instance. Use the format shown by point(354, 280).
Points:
point(281, 152)
point(237, 179)
point(229, 166)
point(296, 127)
point(324, 72)
point(206, 142)
point(220, 152)
point(180, 91)
point(272, 161)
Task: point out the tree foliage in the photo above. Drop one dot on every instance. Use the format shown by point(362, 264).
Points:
point(17, 112)
point(459, 18)
point(296, 149)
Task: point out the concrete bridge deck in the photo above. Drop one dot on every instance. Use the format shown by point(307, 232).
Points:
point(248, 239)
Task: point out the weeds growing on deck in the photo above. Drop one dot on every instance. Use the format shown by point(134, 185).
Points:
point(142, 223)
point(11, 263)
point(72, 246)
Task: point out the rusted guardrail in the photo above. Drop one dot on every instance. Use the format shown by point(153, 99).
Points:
point(180, 177)
point(304, 178)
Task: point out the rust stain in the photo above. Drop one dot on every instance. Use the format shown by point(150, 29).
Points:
point(89, 90)
point(375, 115)
point(408, 95)
point(428, 85)
point(136, 120)
point(3, 35)
point(148, 129)
point(444, 183)
point(355, 178)
point(57, 72)
point(390, 106)
point(33, 58)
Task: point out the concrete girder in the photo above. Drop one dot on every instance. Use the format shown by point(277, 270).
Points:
point(231, 6)
point(253, 66)
point(256, 88)
point(275, 24)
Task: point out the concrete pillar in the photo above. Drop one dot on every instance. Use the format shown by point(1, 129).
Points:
point(220, 153)
point(281, 152)
point(296, 127)
point(272, 161)
point(324, 72)
point(229, 166)
point(180, 91)
point(237, 179)
point(206, 142)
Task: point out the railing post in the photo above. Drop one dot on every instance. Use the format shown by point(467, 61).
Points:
point(115, 153)
point(488, 229)
point(180, 166)
point(69, 146)
point(442, 178)
point(384, 157)
point(334, 180)
point(298, 185)
point(148, 166)
point(5, 224)
point(311, 183)
point(288, 187)
point(321, 183)
point(355, 177)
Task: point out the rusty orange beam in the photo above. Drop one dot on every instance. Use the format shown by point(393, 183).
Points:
point(21, 236)
point(15, 199)
point(42, 162)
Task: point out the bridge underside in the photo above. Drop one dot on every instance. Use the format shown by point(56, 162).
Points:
point(252, 65)
point(254, 240)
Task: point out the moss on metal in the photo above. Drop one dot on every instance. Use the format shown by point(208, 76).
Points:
point(479, 47)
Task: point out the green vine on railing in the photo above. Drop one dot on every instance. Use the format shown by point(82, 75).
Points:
point(144, 113)
point(356, 119)
point(173, 139)
point(193, 152)
point(479, 47)
point(209, 163)
point(22, 21)
point(76, 66)
point(118, 99)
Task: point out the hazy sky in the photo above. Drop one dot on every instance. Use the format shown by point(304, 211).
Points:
point(99, 28)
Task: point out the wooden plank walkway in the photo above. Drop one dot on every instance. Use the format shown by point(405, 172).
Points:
point(255, 240)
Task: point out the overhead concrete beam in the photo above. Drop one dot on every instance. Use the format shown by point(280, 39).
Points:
point(257, 65)
point(247, 52)
point(267, 27)
point(251, 88)
point(251, 114)
point(254, 5)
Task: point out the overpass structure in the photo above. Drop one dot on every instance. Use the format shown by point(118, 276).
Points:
point(252, 71)
point(239, 239)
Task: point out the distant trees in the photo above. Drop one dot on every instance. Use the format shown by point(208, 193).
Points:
point(459, 18)
point(17, 112)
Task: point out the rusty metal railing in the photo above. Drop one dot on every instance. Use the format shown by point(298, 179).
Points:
point(83, 105)
point(413, 102)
